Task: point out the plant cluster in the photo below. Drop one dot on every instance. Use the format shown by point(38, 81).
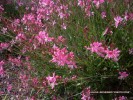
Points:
point(66, 49)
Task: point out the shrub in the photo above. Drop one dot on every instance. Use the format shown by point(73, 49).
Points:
point(61, 50)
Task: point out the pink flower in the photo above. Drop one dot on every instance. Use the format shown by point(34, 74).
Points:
point(16, 23)
point(1, 67)
point(81, 3)
point(98, 2)
point(86, 6)
point(61, 15)
point(130, 16)
point(118, 20)
point(15, 61)
point(86, 94)
point(20, 3)
point(24, 80)
point(96, 47)
point(35, 81)
point(23, 77)
point(126, 16)
point(62, 57)
point(103, 14)
point(43, 37)
point(88, 11)
point(64, 26)
point(28, 19)
point(2, 63)
point(60, 39)
point(123, 75)
point(20, 37)
point(45, 3)
point(9, 87)
point(1, 9)
point(3, 46)
point(52, 80)
point(54, 22)
point(112, 54)
point(121, 98)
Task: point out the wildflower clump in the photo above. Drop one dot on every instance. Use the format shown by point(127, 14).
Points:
point(58, 49)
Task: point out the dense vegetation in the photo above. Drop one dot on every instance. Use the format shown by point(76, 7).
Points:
point(66, 49)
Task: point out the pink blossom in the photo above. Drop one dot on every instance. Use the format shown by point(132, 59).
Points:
point(15, 61)
point(54, 22)
point(45, 3)
point(86, 6)
point(81, 3)
point(123, 75)
point(33, 98)
point(126, 16)
point(118, 20)
point(112, 54)
point(96, 47)
point(88, 11)
point(35, 81)
point(16, 22)
point(23, 77)
point(130, 16)
point(86, 94)
point(28, 18)
point(3, 46)
point(98, 2)
point(24, 80)
point(103, 14)
point(121, 98)
point(61, 39)
point(1, 9)
point(20, 3)
point(20, 37)
point(62, 57)
point(9, 87)
point(84, 3)
point(44, 83)
point(2, 63)
point(63, 11)
point(64, 26)
point(74, 77)
point(43, 37)
point(1, 67)
point(52, 80)
point(61, 15)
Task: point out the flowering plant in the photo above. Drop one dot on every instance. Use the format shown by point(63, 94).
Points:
point(65, 49)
